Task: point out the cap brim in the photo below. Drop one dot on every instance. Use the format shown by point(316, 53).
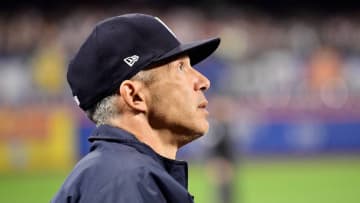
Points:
point(197, 51)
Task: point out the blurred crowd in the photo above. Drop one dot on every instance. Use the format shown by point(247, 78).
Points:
point(267, 68)
point(274, 66)
point(264, 61)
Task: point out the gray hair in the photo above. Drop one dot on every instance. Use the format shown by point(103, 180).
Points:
point(103, 111)
point(106, 109)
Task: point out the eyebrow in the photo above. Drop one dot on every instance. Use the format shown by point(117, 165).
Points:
point(185, 59)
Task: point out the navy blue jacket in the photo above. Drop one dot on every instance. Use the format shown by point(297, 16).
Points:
point(119, 169)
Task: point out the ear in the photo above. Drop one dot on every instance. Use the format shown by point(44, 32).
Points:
point(133, 95)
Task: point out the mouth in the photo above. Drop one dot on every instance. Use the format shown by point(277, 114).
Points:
point(203, 105)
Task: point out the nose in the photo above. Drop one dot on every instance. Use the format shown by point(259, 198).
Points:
point(202, 82)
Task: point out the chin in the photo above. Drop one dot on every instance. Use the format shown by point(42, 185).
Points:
point(192, 131)
point(204, 128)
point(200, 130)
point(188, 138)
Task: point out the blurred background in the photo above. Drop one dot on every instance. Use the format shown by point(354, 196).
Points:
point(284, 101)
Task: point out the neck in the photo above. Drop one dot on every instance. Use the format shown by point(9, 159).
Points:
point(161, 141)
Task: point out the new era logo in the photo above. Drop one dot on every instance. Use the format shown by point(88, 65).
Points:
point(131, 60)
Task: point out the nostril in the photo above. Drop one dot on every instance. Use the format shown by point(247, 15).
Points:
point(203, 88)
point(205, 85)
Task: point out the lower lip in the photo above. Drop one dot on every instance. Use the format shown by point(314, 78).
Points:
point(204, 110)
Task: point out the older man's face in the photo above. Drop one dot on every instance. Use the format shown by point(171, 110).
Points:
point(177, 100)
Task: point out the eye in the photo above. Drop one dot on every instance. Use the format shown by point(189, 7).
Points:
point(181, 66)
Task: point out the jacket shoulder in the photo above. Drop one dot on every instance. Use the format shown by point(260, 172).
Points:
point(102, 174)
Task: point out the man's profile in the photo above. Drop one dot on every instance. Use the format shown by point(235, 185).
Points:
point(135, 80)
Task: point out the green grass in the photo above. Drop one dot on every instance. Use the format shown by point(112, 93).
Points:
point(314, 181)
point(29, 187)
point(297, 181)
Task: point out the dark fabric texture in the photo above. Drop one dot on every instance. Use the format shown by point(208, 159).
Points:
point(119, 169)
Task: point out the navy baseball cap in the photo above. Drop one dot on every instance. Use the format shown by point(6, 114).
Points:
point(120, 47)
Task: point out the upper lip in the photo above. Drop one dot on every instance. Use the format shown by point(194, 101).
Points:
point(203, 104)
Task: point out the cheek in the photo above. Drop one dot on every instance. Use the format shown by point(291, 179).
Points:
point(183, 102)
point(173, 97)
point(172, 102)
point(170, 105)
point(161, 102)
point(173, 94)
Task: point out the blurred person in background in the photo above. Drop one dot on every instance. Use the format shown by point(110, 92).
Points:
point(135, 80)
point(222, 160)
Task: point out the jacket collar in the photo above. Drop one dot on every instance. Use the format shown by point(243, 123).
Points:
point(177, 169)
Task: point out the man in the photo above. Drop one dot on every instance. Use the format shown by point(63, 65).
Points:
point(221, 162)
point(135, 80)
